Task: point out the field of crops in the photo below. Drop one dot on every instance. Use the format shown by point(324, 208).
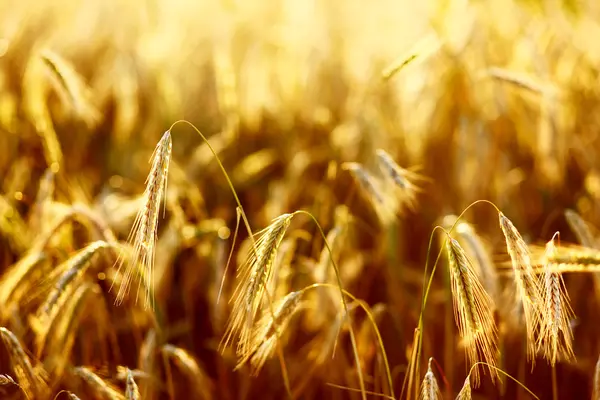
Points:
point(273, 199)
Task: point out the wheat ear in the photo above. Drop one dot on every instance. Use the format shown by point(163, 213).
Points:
point(191, 369)
point(473, 310)
point(465, 391)
point(253, 277)
point(144, 230)
point(263, 339)
point(528, 289)
point(556, 337)
point(30, 382)
point(430, 389)
point(98, 385)
point(404, 179)
point(131, 390)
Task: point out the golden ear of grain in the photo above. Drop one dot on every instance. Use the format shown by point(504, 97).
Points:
point(15, 282)
point(527, 286)
point(430, 389)
point(31, 382)
point(253, 277)
point(71, 87)
point(404, 179)
point(477, 251)
point(131, 390)
point(144, 230)
point(465, 392)
point(473, 310)
point(263, 338)
point(7, 380)
point(385, 206)
point(203, 386)
point(99, 387)
point(556, 337)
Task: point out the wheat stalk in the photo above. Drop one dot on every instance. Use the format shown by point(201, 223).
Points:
point(430, 389)
point(473, 310)
point(144, 230)
point(253, 277)
point(556, 338)
point(528, 289)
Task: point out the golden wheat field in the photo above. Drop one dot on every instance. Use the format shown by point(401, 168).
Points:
point(289, 199)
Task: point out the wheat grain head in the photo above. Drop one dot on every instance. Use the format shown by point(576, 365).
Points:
point(263, 339)
point(144, 230)
point(430, 389)
point(131, 390)
point(556, 337)
point(253, 277)
point(32, 384)
point(473, 310)
point(527, 286)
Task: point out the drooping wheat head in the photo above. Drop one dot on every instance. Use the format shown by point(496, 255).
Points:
point(555, 338)
point(384, 204)
point(477, 252)
point(263, 338)
point(253, 277)
point(473, 310)
point(144, 230)
point(527, 286)
point(404, 180)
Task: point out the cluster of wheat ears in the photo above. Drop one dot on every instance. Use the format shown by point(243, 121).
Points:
point(261, 311)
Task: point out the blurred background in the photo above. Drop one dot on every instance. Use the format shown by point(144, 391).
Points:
point(495, 100)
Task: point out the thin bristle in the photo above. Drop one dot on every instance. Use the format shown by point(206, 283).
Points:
point(144, 230)
point(528, 290)
point(473, 310)
point(555, 337)
point(253, 277)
